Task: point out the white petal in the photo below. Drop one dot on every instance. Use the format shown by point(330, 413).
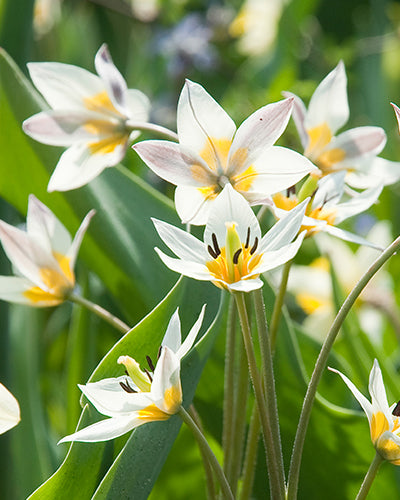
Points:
point(397, 113)
point(374, 171)
point(330, 190)
point(347, 236)
point(377, 390)
point(138, 105)
point(299, 115)
point(192, 206)
point(258, 133)
point(12, 289)
point(359, 142)
point(329, 102)
point(275, 258)
point(357, 204)
point(64, 86)
point(9, 410)
point(247, 285)
point(200, 117)
point(191, 336)
point(173, 337)
point(76, 244)
point(105, 429)
point(191, 269)
point(364, 403)
point(166, 376)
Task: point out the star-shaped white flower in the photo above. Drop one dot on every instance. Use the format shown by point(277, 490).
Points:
point(354, 151)
point(233, 254)
point(140, 396)
point(212, 153)
point(89, 116)
point(9, 410)
point(43, 258)
point(384, 421)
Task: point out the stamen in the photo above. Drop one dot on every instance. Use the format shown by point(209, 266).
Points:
point(126, 387)
point(150, 363)
point(236, 256)
point(159, 352)
point(247, 238)
point(148, 374)
point(215, 243)
point(291, 190)
point(254, 247)
point(212, 252)
point(396, 411)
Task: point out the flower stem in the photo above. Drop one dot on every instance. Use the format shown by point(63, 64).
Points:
point(205, 448)
point(277, 482)
point(276, 313)
point(251, 455)
point(369, 477)
point(294, 471)
point(101, 312)
point(152, 127)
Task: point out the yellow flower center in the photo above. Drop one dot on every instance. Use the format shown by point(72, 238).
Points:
point(58, 283)
point(378, 426)
point(319, 138)
point(100, 103)
point(152, 413)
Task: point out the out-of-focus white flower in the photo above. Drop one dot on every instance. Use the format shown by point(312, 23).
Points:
point(9, 410)
point(146, 11)
point(90, 115)
point(233, 254)
point(140, 396)
point(354, 151)
point(384, 421)
point(46, 13)
point(212, 153)
point(43, 257)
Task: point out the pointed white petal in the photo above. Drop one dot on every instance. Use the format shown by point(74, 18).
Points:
point(258, 133)
point(364, 403)
point(105, 429)
point(13, 288)
point(357, 204)
point(200, 117)
point(9, 410)
point(191, 269)
point(377, 390)
point(359, 142)
point(299, 115)
point(275, 258)
point(330, 190)
point(374, 171)
point(166, 377)
point(191, 336)
point(329, 102)
point(192, 205)
point(138, 105)
point(173, 336)
point(347, 236)
point(76, 244)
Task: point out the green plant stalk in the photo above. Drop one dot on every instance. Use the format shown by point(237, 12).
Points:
point(269, 379)
point(101, 312)
point(250, 459)
point(294, 471)
point(276, 482)
point(277, 311)
point(369, 477)
point(152, 127)
point(205, 447)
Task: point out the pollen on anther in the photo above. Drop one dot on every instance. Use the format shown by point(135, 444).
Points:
point(254, 247)
point(236, 256)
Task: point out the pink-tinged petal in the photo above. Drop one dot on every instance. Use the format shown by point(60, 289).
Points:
point(245, 285)
point(9, 410)
point(359, 142)
point(258, 133)
point(191, 336)
point(377, 390)
point(359, 203)
point(76, 244)
point(43, 225)
point(200, 118)
point(276, 169)
point(330, 190)
point(374, 171)
point(64, 86)
point(191, 269)
point(397, 113)
point(299, 115)
point(276, 258)
point(173, 338)
point(166, 390)
point(13, 288)
point(329, 102)
point(174, 164)
point(64, 128)
point(138, 105)
point(347, 236)
point(78, 165)
point(105, 429)
point(113, 80)
point(110, 399)
point(228, 207)
point(193, 205)
point(183, 244)
point(364, 403)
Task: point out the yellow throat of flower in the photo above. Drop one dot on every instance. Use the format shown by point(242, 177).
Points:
point(319, 138)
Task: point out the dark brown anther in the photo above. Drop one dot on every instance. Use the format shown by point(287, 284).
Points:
point(291, 190)
point(159, 352)
point(254, 247)
point(215, 243)
point(126, 387)
point(150, 363)
point(396, 411)
point(236, 256)
point(247, 238)
point(148, 374)
point(211, 251)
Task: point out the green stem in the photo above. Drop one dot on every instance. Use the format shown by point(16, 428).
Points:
point(204, 446)
point(277, 483)
point(152, 127)
point(294, 471)
point(101, 312)
point(269, 379)
point(211, 494)
point(276, 313)
point(369, 477)
point(250, 459)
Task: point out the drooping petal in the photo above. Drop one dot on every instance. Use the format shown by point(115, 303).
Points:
point(193, 204)
point(348, 236)
point(359, 142)
point(183, 244)
point(79, 165)
point(258, 133)
point(173, 337)
point(72, 252)
point(166, 390)
point(329, 102)
point(9, 410)
point(191, 269)
point(357, 204)
point(364, 403)
point(64, 86)
point(201, 119)
point(377, 390)
point(104, 430)
point(191, 336)
point(299, 115)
